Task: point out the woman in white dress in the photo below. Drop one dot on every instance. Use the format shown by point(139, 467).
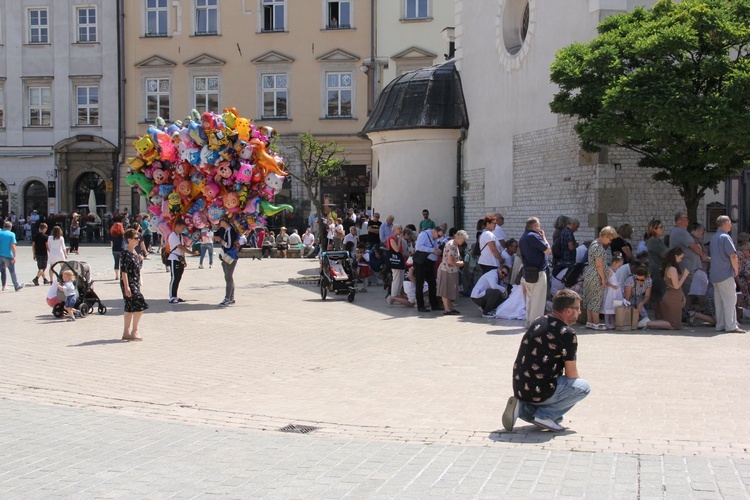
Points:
point(57, 251)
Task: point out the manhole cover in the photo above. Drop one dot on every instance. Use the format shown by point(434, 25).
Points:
point(298, 429)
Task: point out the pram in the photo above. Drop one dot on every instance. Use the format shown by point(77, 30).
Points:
point(336, 274)
point(87, 297)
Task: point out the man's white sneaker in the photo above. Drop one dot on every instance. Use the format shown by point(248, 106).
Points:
point(643, 324)
point(510, 415)
point(224, 303)
point(545, 423)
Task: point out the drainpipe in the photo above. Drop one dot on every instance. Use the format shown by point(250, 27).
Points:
point(120, 100)
point(373, 63)
point(458, 202)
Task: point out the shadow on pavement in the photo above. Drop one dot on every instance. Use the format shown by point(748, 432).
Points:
point(526, 434)
point(99, 342)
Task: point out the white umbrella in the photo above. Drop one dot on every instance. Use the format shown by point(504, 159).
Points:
point(92, 207)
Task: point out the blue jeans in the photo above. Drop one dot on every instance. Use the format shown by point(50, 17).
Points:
point(569, 392)
point(207, 248)
point(8, 262)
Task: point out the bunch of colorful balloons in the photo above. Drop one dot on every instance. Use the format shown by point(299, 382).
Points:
point(206, 167)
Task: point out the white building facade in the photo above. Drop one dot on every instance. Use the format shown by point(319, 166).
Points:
point(519, 158)
point(59, 110)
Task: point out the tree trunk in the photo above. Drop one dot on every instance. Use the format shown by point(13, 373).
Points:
point(692, 198)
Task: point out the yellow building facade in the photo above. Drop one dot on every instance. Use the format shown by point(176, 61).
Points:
point(295, 65)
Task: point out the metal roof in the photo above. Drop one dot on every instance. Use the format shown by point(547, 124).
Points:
point(426, 98)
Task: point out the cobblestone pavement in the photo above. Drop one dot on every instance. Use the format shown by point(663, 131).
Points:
point(65, 452)
point(368, 377)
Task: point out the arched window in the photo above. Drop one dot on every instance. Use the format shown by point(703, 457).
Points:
point(35, 198)
point(84, 185)
point(4, 207)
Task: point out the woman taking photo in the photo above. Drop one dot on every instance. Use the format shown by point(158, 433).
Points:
point(130, 285)
point(674, 299)
point(229, 244)
point(656, 252)
point(447, 286)
point(596, 278)
point(117, 233)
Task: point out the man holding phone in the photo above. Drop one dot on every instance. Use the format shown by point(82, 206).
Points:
point(534, 251)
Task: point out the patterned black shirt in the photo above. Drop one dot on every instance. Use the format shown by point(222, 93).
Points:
point(545, 347)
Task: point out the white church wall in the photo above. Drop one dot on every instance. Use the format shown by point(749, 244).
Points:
point(414, 170)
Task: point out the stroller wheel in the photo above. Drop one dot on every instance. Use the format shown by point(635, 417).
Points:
point(350, 297)
point(323, 292)
point(58, 310)
point(102, 309)
point(84, 310)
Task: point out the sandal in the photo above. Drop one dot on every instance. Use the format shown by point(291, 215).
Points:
point(691, 318)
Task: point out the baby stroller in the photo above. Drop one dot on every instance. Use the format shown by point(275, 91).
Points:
point(336, 274)
point(87, 297)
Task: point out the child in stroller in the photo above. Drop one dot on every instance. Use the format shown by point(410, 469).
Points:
point(87, 297)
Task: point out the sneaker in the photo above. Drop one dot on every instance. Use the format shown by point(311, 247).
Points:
point(180, 300)
point(489, 315)
point(643, 324)
point(70, 319)
point(423, 309)
point(200, 267)
point(231, 301)
point(510, 415)
point(224, 303)
point(35, 281)
point(601, 326)
point(691, 318)
point(20, 286)
point(389, 302)
point(589, 325)
point(173, 300)
point(545, 423)
point(47, 282)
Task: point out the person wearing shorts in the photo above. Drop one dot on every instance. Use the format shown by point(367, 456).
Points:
point(39, 249)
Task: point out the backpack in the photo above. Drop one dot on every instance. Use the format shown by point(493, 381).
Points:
point(165, 252)
point(476, 251)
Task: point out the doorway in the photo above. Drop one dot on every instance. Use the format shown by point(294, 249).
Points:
point(35, 198)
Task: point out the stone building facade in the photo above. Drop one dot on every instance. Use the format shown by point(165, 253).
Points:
point(519, 158)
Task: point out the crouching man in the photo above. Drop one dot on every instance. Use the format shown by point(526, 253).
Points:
point(545, 376)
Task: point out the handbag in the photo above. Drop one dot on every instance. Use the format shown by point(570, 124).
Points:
point(225, 257)
point(531, 274)
point(626, 318)
point(420, 257)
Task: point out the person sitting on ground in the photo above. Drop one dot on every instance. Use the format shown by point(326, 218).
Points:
point(674, 298)
point(637, 293)
point(409, 298)
point(491, 290)
point(546, 384)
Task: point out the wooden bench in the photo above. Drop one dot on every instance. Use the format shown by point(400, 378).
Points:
point(249, 253)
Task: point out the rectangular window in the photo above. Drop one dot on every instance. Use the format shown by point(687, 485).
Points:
point(273, 15)
point(206, 17)
point(87, 105)
point(416, 9)
point(157, 99)
point(38, 26)
point(206, 90)
point(274, 96)
point(86, 24)
point(339, 94)
point(156, 17)
point(40, 107)
point(339, 14)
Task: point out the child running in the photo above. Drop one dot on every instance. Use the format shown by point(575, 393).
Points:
point(69, 287)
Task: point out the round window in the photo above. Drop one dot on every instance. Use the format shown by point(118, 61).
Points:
point(514, 31)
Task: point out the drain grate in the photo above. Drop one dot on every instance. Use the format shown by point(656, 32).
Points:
point(298, 429)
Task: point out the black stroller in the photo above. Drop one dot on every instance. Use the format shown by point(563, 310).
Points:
point(336, 274)
point(87, 297)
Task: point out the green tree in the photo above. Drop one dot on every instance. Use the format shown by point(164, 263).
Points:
point(320, 161)
point(671, 83)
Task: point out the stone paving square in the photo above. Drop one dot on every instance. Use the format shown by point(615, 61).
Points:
point(404, 405)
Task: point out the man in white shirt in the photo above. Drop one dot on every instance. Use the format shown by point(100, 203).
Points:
point(294, 239)
point(499, 233)
point(352, 236)
point(491, 290)
point(489, 257)
point(308, 243)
